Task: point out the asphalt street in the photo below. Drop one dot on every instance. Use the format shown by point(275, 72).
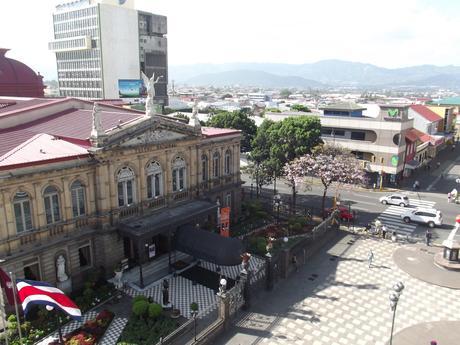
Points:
point(432, 193)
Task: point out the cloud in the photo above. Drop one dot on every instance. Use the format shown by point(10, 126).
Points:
point(392, 33)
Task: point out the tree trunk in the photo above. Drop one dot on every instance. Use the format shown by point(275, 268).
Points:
point(324, 201)
point(293, 198)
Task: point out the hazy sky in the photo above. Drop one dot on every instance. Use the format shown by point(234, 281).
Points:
point(390, 33)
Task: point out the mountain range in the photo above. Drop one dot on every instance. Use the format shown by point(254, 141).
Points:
point(321, 74)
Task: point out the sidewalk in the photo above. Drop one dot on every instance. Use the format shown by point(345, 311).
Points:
point(441, 331)
point(418, 261)
point(428, 178)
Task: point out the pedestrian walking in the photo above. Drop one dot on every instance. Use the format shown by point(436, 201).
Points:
point(294, 263)
point(428, 236)
point(384, 231)
point(374, 186)
point(394, 236)
point(370, 257)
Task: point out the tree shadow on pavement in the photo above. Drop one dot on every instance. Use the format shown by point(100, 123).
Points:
point(358, 286)
point(305, 315)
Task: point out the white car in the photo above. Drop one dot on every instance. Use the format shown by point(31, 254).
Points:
point(395, 199)
point(428, 216)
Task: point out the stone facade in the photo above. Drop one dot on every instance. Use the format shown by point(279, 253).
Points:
point(86, 235)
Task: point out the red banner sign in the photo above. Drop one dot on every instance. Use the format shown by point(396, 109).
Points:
point(225, 221)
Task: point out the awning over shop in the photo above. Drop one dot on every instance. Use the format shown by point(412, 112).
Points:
point(413, 164)
point(168, 218)
point(209, 246)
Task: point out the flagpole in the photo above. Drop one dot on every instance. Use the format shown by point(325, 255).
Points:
point(3, 316)
point(13, 282)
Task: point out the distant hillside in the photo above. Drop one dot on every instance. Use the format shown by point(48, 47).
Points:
point(329, 72)
point(252, 78)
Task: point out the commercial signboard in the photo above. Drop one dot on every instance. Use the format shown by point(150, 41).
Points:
point(131, 88)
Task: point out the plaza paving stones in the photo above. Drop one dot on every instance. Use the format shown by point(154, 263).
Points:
point(114, 331)
point(69, 327)
point(347, 304)
point(182, 292)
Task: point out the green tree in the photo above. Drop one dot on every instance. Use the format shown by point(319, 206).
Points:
point(237, 120)
point(300, 107)
point(261, 173)
point(183, 117)
point(285, 93)
point(278, 143)
point(292, 138)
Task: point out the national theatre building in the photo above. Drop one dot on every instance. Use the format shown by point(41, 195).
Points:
point(86, 185)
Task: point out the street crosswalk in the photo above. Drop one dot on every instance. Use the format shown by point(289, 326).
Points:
point(391, 217)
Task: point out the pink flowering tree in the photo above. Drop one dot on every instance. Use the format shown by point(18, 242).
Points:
point(330, 165)
point(293, 174)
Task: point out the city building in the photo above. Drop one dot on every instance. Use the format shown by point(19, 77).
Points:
point(103, 45)
point(430, 123)
point(18, 79)
point(97, 184)
point(379, 142)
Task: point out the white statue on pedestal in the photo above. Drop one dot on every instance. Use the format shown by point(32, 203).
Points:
point(150, 85)
point(96, 128)
point(195, 121)
point(60, 264)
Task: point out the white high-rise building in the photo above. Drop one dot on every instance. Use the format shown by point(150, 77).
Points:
point(99, 42)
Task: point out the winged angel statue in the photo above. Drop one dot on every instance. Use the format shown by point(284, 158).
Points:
point(150, 84)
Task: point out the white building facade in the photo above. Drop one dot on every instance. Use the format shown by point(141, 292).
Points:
point(99, 42)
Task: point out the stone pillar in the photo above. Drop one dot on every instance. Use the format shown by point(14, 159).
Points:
point(223, 309)
point(268, 272)
point(3, 217)
point(66, 199)
point(245, 281)
point(40, 218)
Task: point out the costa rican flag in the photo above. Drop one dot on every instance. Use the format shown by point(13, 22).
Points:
point(32, 292)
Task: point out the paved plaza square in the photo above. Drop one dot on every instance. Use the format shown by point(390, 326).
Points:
point(347, 303)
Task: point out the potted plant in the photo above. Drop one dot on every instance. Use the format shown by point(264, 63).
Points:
point(175, 313)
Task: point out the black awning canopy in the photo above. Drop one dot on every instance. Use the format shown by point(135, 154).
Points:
point(166, 219)
point(209, 246)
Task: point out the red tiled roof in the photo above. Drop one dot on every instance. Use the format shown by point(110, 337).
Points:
point(73, 125)
point(217, 132)
point(411, 136)
point(419, 134)
point(426, 112)
point(24, 104)
point(41, 149)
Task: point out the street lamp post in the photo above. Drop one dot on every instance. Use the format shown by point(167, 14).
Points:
point(394, 296)
point(58, 320)
point(277, 203)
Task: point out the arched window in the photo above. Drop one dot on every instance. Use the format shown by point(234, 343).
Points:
point(215, 164)
point(154, 180)
point(78, 199)
point(228, 162)
point(178, 174)
point(52, 210)
point(125, 179)
point(22, 212)
point(204, 168)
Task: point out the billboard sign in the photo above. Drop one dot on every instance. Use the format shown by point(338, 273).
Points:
point(131, 88)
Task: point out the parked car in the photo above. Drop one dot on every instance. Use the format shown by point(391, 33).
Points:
point(345, 214)
point(395, 199)
point(428, 216)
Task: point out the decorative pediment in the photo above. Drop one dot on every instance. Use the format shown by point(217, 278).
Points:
point(151, 136)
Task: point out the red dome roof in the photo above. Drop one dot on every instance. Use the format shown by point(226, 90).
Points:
point(18, 79)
